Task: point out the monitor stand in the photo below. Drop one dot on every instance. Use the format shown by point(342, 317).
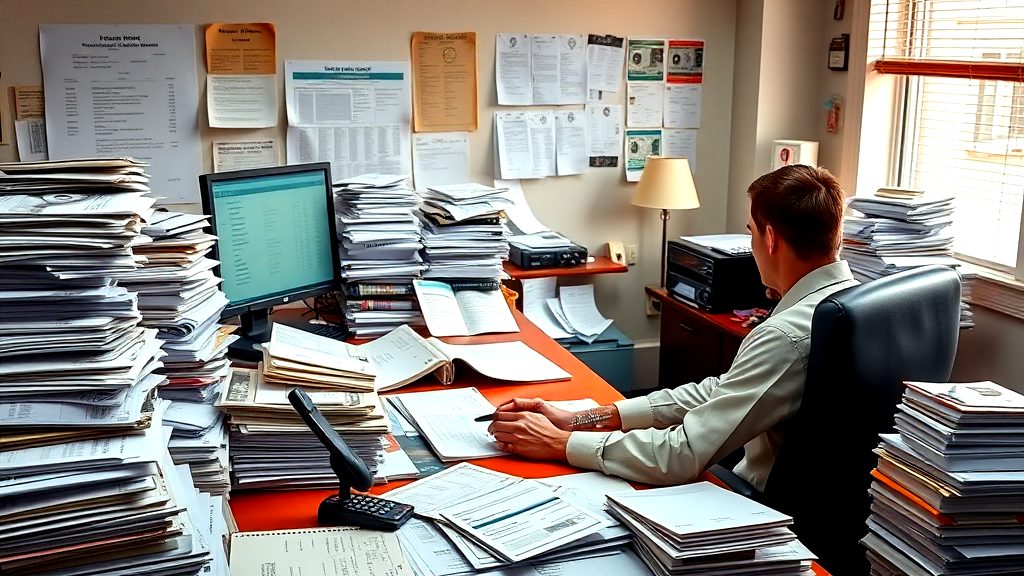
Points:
point(255, 329)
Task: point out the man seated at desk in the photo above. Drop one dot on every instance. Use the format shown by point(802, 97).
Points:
point(671, 436)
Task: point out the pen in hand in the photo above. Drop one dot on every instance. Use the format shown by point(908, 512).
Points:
point(485, 417)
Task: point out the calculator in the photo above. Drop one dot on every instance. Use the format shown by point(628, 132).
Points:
point(364, 511)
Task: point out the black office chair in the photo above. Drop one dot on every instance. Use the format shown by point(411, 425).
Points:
point(865, 342)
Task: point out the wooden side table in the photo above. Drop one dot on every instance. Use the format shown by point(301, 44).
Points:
point(694, 344)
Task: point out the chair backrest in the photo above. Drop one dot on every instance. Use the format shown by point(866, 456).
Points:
point(865, 342)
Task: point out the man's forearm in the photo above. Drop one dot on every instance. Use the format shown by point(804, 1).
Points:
point(600, 418)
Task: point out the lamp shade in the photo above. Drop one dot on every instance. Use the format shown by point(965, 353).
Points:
point(666, 183)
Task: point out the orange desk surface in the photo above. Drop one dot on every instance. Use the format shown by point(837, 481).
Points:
point(277, 510)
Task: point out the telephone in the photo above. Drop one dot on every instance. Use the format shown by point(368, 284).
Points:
point(345, 508)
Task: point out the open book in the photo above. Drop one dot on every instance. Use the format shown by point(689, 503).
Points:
point(403, 356)
point(448, 312)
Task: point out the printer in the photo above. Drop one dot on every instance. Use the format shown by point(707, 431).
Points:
point(713, 278)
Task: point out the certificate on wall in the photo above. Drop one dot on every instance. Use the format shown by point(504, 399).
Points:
point(125, 90)
point(444, 82)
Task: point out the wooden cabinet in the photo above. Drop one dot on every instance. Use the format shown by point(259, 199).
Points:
point(694, 344)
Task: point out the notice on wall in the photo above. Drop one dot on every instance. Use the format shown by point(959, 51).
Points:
point(540, 68)
point(31, 136)
point(681, 143)
point(444, 81)
point(685, 62)
point(355, 115)
point(526, 144)
point(604, 63)
point(570, 142)
point(244, 155)
point(645, 60)
point(604, 134)
point(440, 158)
point(241, 81)
point(28, 102)
point(639, 145)
point(125, 90)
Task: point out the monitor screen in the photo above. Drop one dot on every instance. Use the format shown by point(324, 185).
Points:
point(275, 230)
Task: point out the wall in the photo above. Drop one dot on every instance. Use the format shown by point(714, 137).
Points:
point(591, 209)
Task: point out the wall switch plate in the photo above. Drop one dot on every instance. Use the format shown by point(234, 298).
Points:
point(652, 306)
point(617, 253)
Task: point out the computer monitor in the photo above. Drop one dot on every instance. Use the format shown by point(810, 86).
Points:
point(276, 242)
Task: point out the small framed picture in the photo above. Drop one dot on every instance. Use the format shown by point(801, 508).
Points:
point(839, 52)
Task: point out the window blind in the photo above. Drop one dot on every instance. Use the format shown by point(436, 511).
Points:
point(962, 128)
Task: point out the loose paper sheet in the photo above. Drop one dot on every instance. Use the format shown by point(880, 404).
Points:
point(334, 550)
point(440, 158)
point(444, 81)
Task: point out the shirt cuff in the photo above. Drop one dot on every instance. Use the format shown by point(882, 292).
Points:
point(635, 413)
point(585, 449)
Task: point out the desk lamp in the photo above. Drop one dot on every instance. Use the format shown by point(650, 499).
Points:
point(666, 184)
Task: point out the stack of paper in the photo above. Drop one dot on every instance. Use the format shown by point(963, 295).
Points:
point(478, 519)
point(271, 447)
point(108, 506)
point(464, 233)
point(380, 244)
point(948, 492)
point(180, 296)
point(885, 234)
point(299, 358)
point(85, 474)
point(701, 528)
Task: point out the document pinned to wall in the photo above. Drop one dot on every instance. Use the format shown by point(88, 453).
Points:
point(440, 158)
point(355, 115)
point(639, 145)
point(604, 63)
point(685, 62)
point(604, 131)
point(645, 60)
point(681, 143)
point(241, 80)
point(644, 102)
point(140, 102)
point(570, 142)
point(31, 136)
point(444, 81)
point(525, 144)
point(28, 102)
point(540, 68)
point(682, 105)
point(243, 155)
point(29, 123)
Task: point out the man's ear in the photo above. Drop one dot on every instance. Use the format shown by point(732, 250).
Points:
point(771, 241)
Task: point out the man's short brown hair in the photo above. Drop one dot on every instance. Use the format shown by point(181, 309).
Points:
point(804, 205)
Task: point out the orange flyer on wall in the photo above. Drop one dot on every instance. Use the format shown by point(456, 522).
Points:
point(684, 63)
point(241, 48)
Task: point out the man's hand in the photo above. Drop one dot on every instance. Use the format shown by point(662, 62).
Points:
point(529, 434)
point(560, 419)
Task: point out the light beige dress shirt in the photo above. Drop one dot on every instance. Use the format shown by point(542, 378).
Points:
point(670, 436)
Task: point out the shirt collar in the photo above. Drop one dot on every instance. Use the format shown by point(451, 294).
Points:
point(815, 280)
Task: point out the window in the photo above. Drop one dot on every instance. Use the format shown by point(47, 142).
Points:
point(960, 125)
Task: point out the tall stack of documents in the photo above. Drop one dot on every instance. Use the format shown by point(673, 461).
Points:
point(883, 235)
point(85, 475)
point(464, 232)
point(180, 296)
point(948, 492)
point(271, 447)
point(703, 529)
point(379, 237)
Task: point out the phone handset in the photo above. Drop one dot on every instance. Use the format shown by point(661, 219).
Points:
point(346, 508)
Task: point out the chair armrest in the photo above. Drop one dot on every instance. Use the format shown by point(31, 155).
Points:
point(735, 483)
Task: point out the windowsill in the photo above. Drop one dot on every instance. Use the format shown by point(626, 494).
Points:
point(995, 290)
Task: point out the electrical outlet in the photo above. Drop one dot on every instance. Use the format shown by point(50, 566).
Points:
point(631, 254)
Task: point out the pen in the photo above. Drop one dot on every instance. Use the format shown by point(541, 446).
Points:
point(485, 417)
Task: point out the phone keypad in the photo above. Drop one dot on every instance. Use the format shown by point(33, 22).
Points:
point(373, 506)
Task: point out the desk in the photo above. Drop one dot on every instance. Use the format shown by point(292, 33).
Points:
point(600, 265)
point(694, 344)
point(276, 510)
